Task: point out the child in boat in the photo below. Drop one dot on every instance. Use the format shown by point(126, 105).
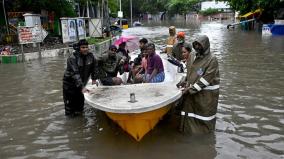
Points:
point(142, 71)
point(136, 65)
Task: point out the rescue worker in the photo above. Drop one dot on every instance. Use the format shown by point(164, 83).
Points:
point(80, 66)
point(111, 63)
point(201, 90)
point(177, 48)
point(171, 40)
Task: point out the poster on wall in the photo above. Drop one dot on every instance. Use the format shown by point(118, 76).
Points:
point(81, 28)
point(64, 27)
point(72, 30)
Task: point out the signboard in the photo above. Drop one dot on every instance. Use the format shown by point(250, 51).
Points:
point(266, 30)
point(31, 34)
point(120, 14)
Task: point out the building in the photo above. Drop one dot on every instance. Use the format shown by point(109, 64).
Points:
point(221, 6)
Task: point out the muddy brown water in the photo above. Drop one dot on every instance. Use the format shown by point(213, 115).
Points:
point(250, 119)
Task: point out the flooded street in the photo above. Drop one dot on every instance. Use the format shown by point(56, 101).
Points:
point(250, 119)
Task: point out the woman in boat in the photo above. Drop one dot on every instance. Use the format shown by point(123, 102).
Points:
point(177, 48)
point(155, 68)
point(186, 53)
point(201, 91)
point(80, 66)
point(122, 51)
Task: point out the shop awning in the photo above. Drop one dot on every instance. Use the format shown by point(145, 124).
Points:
point(251, 14)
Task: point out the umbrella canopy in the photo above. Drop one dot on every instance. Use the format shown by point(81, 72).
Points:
point(132, 42)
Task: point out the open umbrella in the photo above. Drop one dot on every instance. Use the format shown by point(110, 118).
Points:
point(132, 42)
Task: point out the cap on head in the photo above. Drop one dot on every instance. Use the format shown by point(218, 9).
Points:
point(180, 34)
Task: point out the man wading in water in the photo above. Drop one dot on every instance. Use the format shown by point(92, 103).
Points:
point(80, 65)
point(200, 90)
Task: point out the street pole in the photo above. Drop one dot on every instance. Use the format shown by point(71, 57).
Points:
point(131, 13)
point(120, 19)
point(88, 11)
point(4, 10)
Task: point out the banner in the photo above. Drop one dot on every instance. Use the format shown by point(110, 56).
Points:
point(31, 34)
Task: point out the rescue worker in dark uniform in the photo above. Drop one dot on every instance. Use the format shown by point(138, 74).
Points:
point(111, 63)
point(201, 90)
point(177, 48)
point(80, 66)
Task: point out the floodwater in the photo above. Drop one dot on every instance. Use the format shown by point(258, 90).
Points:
point(250, 119)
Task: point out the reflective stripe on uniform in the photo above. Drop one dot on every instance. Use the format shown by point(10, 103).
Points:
point(204, 81)
point(170, 45)
point(211, 87)
point(197, 87)
point(198, 116)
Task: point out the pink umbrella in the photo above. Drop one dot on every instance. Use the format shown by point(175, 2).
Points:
point(132, 42)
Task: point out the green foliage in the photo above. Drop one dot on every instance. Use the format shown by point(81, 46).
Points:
point(245, 6)
point(209, 11)
point(60, 7)
point(93, 40)
point(113, 5)
point(182, 6)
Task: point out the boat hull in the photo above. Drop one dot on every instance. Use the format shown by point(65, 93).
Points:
point(137, 108)
point(139, 124)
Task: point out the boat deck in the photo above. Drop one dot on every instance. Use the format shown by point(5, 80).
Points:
point(149, 96)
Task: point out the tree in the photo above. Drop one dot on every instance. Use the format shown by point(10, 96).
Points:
point(182, 6)
point(60, 7)
point(245, 6)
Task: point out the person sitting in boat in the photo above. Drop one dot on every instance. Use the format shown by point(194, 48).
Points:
point(122, 51)
point(201, 91)
point(171, 40)
point(111, 63)
point(136, 64)
point(141, 73)
point(177, 48)
point(155, 68)
point(186, 53)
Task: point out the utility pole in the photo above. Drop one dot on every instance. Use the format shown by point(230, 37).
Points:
point(131, 13)
point(120, 20)
point(88, 11)
point(4, 10)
